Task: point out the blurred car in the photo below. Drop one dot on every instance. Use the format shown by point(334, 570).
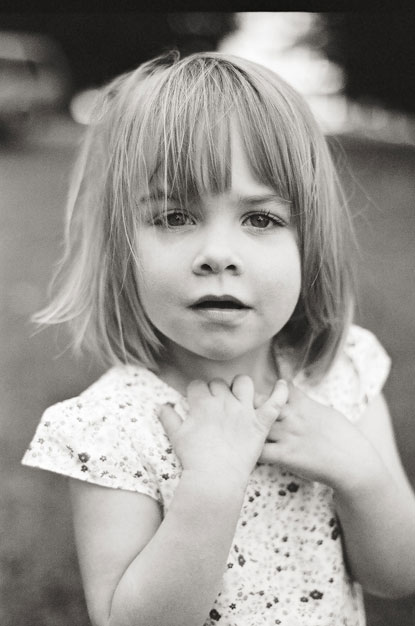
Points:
point(34, 79)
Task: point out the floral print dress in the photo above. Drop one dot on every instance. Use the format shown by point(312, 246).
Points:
point(285, 565)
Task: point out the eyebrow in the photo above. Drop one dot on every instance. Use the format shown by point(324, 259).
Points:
point(156, 195)
point(262, 199)
point(259, 200)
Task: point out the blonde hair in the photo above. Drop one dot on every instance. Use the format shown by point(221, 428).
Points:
point(149, 123)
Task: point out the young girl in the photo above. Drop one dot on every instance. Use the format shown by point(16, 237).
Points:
point(236, 464)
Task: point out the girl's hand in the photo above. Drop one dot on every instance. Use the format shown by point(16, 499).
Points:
point(317, 442)
point(224, 434)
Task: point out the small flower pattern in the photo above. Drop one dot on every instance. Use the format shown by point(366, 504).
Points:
point(286, 564)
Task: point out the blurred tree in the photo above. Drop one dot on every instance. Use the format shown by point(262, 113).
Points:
point(375, 49)
point(102, 45)
point(377, 52)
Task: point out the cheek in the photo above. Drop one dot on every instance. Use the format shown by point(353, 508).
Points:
point(148, 275)
point(151, 261)
point(158, 278)
point(282, 274)
point(284, 295)
point(154, 287)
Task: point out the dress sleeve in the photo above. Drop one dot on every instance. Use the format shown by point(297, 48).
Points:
point(371, 365)
point(81, 440)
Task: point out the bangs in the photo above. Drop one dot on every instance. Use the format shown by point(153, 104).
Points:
point(179, 145)
point(184, 147)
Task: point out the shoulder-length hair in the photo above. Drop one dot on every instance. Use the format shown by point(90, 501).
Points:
point(171, 120)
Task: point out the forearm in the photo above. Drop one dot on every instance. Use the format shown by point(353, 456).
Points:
point(176, 577)
point(378, 522)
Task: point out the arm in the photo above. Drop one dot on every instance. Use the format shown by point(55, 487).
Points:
point(138, 570)
point(141, 570)
point(378, 514)
point(373, 498)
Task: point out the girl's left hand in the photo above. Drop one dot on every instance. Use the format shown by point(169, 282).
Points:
point(318, 443)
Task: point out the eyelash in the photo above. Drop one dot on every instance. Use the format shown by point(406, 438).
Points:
point(163, 219)
point(276, 221)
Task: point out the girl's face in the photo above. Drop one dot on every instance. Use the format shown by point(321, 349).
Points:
point(224, 278)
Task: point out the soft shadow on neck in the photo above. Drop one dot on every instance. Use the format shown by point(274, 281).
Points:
point(263, 365)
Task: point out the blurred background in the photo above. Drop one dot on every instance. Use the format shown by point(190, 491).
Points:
point(356, 71)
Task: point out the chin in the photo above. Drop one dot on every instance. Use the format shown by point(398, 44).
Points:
point(219, 351)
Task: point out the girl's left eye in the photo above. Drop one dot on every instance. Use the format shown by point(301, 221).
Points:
point(263, 220)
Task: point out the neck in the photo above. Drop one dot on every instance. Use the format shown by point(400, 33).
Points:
point(183, 366)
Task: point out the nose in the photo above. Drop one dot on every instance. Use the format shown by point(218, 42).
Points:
point(217, 257)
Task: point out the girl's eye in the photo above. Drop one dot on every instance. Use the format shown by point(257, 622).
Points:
point(174, 218)
point(263, 220)
point(178, 218)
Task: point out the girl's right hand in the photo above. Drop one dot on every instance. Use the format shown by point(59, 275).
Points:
point(224, 434)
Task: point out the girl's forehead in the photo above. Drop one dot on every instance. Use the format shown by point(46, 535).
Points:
point(208, 157)
point(241, 176)
point(243, 180)
point(243, 188)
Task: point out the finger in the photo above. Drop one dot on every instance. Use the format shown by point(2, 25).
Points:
point(218, 387)
point(271, 408)
point(259, 399)
point(278, 397)
point(243, 388)
point(270, 453)
point(296, 395)
point(197, 389)
point(274, 433)
point(170, 420)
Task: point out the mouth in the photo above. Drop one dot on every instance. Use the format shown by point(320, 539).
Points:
point(224, 302)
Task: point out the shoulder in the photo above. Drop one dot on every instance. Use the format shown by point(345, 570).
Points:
point(364, 354)
point(119, 380)
point(106, 434)
point(122, 391)
point(357, 375)
point(121, 406)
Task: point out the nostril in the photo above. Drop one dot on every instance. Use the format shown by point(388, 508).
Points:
point(208, 265)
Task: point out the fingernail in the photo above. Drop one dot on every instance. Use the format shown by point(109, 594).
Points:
point(161, 405)
point(282, 391)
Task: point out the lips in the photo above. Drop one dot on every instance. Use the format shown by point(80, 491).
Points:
point(219, 302)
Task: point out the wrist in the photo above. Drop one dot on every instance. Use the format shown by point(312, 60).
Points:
point(221, 483)
point(361, 479)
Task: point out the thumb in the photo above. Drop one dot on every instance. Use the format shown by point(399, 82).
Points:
point(278, 398)
point(170, 419)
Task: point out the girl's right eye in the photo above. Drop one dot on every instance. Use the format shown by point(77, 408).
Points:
point(174, 219)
